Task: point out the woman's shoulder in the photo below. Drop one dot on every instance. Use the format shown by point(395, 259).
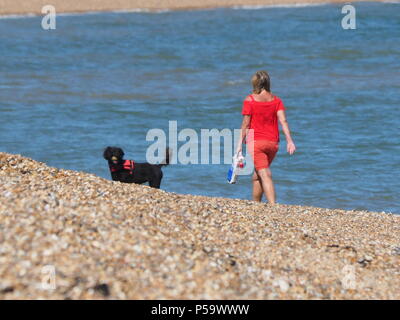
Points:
point(249, 98)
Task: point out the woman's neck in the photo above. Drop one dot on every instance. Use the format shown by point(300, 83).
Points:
point(264, 95)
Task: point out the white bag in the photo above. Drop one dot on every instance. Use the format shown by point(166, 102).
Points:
point(237, 163)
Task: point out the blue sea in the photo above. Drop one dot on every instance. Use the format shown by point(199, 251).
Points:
point(104, 79)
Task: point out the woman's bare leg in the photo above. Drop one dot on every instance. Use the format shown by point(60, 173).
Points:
point(267, 184)
point(257, 187)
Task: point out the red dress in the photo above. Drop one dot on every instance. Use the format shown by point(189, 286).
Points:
point(263, 141)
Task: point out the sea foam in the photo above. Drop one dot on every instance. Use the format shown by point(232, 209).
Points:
point(288, 5)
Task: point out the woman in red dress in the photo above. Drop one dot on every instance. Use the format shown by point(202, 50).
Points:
point(261, 112)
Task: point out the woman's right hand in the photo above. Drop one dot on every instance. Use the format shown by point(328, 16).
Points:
point(290, 147)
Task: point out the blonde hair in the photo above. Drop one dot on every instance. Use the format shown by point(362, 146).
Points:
point(260, 81)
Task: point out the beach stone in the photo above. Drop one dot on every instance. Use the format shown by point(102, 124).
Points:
point(103, 289)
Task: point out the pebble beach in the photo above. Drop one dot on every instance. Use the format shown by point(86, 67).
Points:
point(108, 240)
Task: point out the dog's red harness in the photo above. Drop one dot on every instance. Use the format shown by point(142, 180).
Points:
point(126, 165)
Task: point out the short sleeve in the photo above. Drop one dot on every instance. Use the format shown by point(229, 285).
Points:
point(246, 111)
point(280, 105)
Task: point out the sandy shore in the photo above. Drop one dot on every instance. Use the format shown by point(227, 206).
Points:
point(34, 6)
point(105, 239)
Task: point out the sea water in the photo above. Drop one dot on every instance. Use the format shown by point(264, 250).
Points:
point(108, 78)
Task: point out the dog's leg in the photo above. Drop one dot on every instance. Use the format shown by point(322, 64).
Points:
point(155, 180)
point(155, 183)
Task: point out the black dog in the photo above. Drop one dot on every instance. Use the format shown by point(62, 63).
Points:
point(131, 172)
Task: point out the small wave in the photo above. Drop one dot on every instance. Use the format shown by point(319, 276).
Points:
point(66, 14)
point(234, 82)
point(17, 16)
point(135, 10)
point(141, 10)
point(83, 13)
point(289, 5)
point(33, 15)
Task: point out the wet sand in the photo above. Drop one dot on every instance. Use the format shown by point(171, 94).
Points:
point(8, 7)
point(89, 237)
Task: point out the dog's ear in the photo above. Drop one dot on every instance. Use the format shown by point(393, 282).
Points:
point(107, 153)
point(119, 153)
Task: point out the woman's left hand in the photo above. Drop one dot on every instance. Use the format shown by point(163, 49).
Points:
point(291, 148)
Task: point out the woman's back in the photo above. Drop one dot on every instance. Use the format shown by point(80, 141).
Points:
point(263, 109)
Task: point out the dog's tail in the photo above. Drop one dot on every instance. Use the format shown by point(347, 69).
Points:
point(167, 158)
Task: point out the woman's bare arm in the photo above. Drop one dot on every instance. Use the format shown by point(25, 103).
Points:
point(291, 148)
point(243, 132)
